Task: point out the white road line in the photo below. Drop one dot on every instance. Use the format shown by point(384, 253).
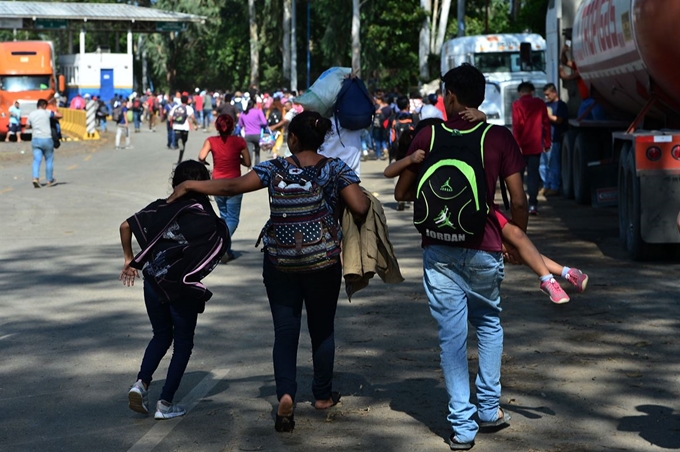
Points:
point(163, 428)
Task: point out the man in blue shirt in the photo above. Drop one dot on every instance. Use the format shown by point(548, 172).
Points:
point(550, 167)
point(14, 122)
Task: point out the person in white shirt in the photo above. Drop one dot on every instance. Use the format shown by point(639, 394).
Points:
point(429, 110)
point(180, 115)
point(344, 144)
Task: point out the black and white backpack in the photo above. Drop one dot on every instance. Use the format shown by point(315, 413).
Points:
point(302, 233)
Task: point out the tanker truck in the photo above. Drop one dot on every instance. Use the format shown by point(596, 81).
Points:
point(627, 60)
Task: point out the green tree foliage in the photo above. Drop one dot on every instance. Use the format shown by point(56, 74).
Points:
point(215, 54)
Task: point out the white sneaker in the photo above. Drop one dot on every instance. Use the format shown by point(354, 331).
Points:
point(138, 399)
point(164, 411)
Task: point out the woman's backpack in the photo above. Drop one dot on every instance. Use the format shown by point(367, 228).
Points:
point(302, 232)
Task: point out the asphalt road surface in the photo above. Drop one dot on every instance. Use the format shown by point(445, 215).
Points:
point(600, 373)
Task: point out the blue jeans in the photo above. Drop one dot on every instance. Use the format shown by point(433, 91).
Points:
point(230, 211)
point(379, 143)
point(172, 143)
point(137, 119)
point(43, 147)
point(287, 292)
point(207, 118)
point(170, 322)
point(464, 285)
point(533, 177)
point(103, 124)
point(550, 168)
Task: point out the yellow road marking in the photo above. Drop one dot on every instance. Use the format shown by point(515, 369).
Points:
point(6, 190)
point(88, 157)
point(72, 167)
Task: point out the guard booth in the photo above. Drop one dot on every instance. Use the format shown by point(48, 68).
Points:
point(100, 74)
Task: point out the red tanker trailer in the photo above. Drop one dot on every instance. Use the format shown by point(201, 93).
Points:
point(630, 64)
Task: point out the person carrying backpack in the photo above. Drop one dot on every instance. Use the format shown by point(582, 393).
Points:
point(463, 256)
point(302, 247)
point(400, 122)
point(180, 116)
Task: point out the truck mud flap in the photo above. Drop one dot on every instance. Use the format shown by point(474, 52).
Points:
point(602, 176)
point(660, 198)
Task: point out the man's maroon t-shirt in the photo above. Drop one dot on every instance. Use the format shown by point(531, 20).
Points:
point(502, 157)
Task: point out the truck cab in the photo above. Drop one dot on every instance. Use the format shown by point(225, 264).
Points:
point(506, 60)
point(27, 74)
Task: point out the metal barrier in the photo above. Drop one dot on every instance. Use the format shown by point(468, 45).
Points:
point(74, 124)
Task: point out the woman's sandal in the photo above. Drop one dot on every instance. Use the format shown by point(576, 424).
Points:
point(335, 397)
point(36, 183)
point(285, 423)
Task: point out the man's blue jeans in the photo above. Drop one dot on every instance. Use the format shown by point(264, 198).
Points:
point(207, 118)
point(550, 167)
point(464, 285)
point(172, 142)
point(230, 211)
point(43, 147)
point(137, 119)
point(176, 323)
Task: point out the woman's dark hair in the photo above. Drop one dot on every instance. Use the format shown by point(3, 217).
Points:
point(407, 137)
point(189, 170)
point(310, 128)
point(224, 124)
point(251, 104)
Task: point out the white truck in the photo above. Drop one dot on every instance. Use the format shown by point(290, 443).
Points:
point(506, 60)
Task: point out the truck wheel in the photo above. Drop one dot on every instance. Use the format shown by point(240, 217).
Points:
point(637, 248)
point(566, 169)
point(622, 192)
point(582, 154)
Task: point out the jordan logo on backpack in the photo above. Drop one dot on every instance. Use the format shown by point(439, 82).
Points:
point(450, 204)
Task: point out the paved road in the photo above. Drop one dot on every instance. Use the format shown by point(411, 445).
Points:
point(599, 373)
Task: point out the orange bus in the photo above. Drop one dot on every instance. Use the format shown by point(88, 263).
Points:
point(28, 72)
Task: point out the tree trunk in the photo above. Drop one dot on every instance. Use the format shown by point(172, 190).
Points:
point(424, 43)
point(516, 7)
point(254, 46)
point(286, 41)
point(433, 26)
point(293, 47)
point(443, 23)
point(356, 38)
point(461, 18)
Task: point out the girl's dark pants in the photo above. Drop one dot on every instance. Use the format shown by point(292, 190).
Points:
point(287, 292)
point(170, 322)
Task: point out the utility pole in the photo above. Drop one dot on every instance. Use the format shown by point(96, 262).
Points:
point(461, 18)
point(293, 47)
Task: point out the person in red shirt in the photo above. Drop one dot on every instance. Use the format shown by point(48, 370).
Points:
point(229, 153)
point(440, 103)
point(462, 279)
point(531, 128)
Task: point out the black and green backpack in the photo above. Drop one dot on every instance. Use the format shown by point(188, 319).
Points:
point(450, 206)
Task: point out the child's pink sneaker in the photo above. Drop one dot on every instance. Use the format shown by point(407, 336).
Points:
point(555, 291)
point(577, 278)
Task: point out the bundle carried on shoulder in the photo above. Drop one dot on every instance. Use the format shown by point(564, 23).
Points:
point(340, 94)
point(321, 96)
